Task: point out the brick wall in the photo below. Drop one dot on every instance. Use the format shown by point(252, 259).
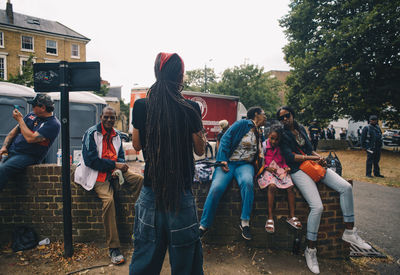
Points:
point(35, 199)
point(226, 223)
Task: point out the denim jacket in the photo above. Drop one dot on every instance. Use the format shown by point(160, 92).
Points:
point(232, 137)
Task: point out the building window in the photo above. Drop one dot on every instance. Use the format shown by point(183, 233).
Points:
point(75, 50)
point(1, 40)
point(27, 43)
point(51, 47)
point(3, 67)
point(23, 60)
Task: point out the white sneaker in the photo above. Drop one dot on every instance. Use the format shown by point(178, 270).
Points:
point(351, 236)
point(311, 259)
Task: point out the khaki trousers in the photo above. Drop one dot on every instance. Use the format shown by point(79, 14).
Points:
point(106, 193)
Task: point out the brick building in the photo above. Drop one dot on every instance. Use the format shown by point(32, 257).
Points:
point(47, 41)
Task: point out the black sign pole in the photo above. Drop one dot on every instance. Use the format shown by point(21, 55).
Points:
point(66, 77)
point(66, 183)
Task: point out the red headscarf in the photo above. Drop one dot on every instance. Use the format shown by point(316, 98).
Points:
point(164, 57)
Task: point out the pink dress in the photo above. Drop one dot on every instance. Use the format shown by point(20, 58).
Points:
point(274, 159)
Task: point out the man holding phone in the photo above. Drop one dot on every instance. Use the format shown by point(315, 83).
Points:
point(28, 142)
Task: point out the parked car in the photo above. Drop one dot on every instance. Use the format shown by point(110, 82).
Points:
point(391, 137)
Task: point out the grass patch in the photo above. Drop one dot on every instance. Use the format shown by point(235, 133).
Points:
point(353, 163)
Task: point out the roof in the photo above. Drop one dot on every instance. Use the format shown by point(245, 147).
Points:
point(111, 98)
point(31, 23)
point(11, 89)
point(190, 93)
point(80, 97)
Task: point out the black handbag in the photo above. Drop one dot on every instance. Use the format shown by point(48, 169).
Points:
point(24, 238)
point(333, 162)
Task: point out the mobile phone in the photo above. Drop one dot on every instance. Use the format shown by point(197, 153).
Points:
point(17, 107)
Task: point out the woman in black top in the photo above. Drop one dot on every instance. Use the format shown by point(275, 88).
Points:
point(168, 128)
point(296, 148)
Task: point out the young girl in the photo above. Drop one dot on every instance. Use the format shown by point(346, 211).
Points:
point(276, 176)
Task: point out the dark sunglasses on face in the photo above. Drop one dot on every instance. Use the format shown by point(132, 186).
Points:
point(109, 117)
point(282, 117)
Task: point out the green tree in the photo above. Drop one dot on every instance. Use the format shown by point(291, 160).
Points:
point(26, 77)
point(124, 108)
point(253, 86)
point(345, 58)
point(103, 90)
point(195, 80)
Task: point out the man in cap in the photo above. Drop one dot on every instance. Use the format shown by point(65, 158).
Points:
point(371, 141)
point(28, 142)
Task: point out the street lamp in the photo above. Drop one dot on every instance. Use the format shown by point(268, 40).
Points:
point(205, 75)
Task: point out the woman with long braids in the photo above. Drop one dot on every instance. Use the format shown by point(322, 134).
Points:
point(296, 148)
point(168, 128)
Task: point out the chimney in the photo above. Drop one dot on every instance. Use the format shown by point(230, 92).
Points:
point(9, 12)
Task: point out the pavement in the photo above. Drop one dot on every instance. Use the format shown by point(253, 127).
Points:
point(377, 214)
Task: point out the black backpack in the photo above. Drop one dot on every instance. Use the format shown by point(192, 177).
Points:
point(334, 163)
point(24, 238)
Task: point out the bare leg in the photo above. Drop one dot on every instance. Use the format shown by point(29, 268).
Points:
point(271, 197)
point(311, 244)
point(349, 225)
point(290, 194)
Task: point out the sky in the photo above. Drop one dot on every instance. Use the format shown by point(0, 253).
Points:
point(126, 35)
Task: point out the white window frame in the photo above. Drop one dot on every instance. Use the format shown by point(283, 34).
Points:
point(33, 43)
point(1, 39)
point(79, 51)
point(4, 56)
point(55, 54)
point(49, 60)
point(23, 58)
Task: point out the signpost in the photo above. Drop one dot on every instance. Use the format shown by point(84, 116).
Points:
point(65, 77)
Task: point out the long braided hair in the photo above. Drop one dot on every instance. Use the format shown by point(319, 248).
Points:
point(167, 111)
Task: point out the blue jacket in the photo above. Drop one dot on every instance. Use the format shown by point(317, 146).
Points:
point(289, 147)
point(91, 163)
point(371, 137)
point(232, 137)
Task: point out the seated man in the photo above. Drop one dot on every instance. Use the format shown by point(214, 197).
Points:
point(238, 148)
point(103, 158)
point(28, 142)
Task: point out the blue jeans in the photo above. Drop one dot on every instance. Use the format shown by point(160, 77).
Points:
point(243, 173)
point(14, 164)
point(308, 189)
point(156, 229)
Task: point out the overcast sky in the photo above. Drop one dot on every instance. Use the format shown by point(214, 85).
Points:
point(127, 35)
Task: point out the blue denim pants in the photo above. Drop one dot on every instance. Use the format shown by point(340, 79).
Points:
point(244, 173)
point(155, 230)
point(308, 189)
point(14, 164)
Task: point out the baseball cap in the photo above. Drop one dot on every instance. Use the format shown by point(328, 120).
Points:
point(42, 99)
point(373, 117)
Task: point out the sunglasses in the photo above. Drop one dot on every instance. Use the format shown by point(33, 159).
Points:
point(109, 117)
point(282, 117)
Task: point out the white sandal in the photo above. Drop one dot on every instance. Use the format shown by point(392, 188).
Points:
point(294, 222)
point(270, 226)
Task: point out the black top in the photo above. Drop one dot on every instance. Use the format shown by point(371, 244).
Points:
point(139, 115)
point(314, 131)
point(289, 147)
